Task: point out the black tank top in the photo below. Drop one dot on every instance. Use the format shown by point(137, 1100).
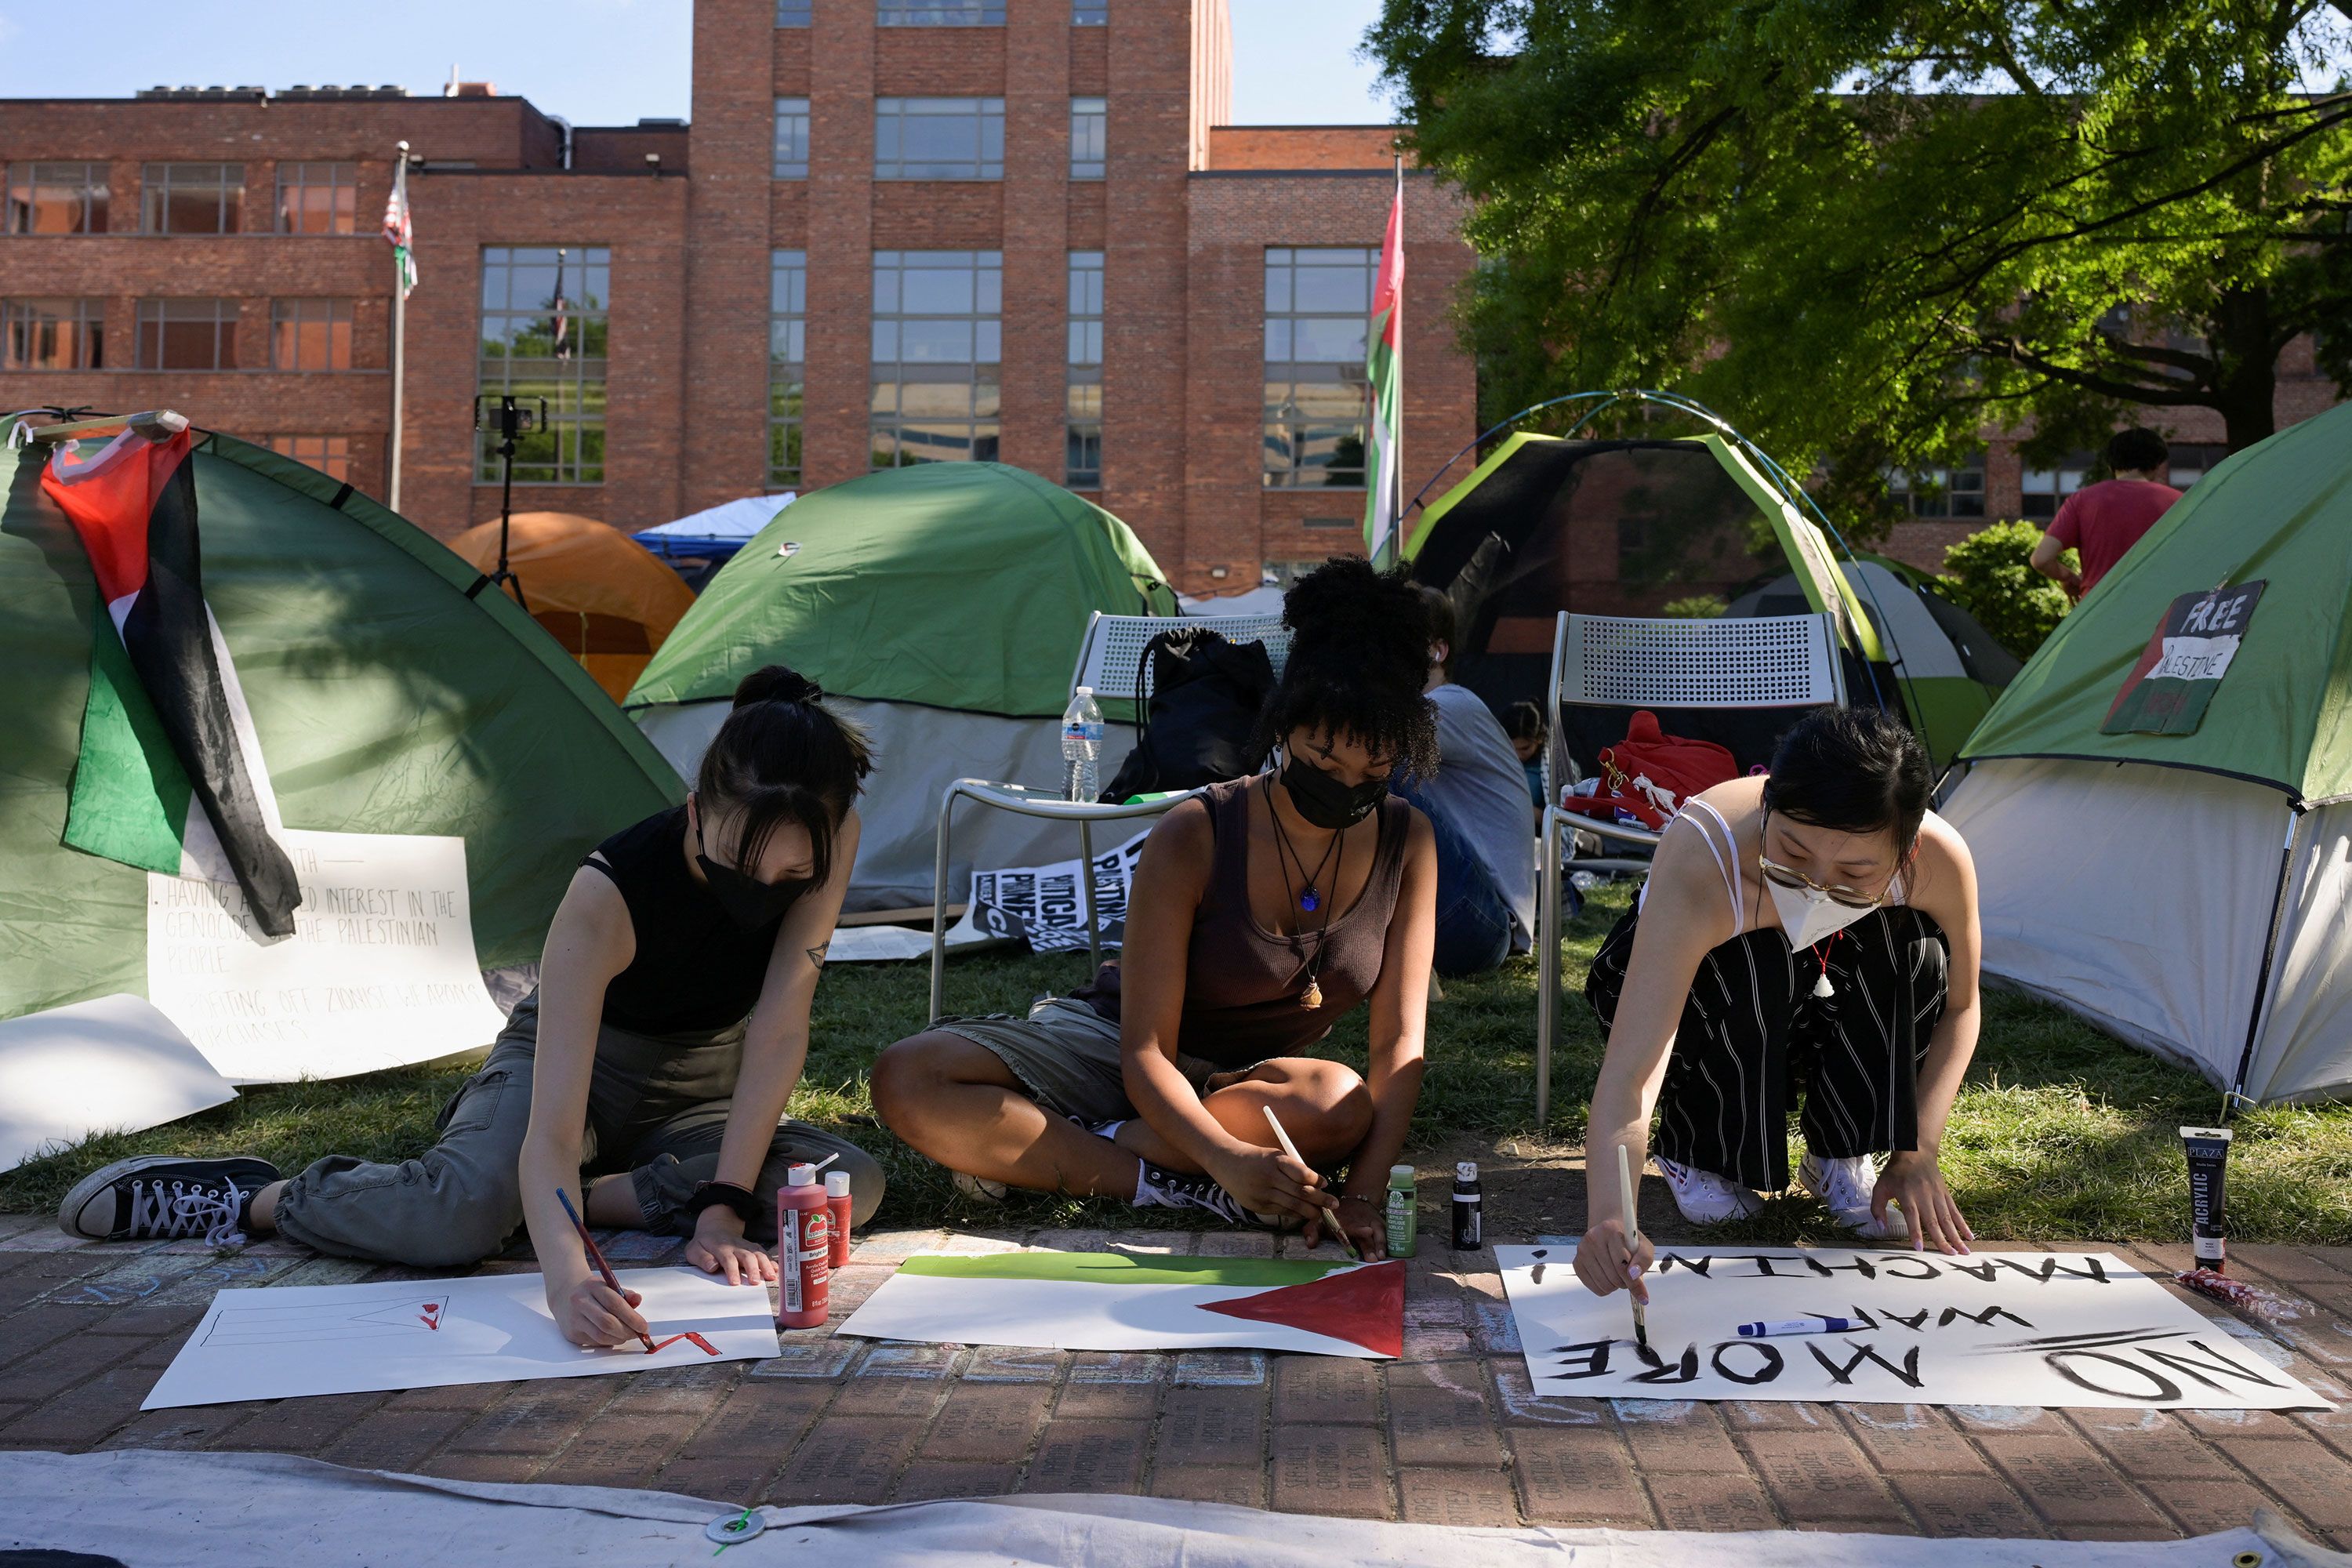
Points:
point(695, 969)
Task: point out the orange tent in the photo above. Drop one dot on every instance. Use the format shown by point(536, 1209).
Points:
point(605, 597)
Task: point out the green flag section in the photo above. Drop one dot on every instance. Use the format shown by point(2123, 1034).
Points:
point(2279, 512)
point(384, 700)
point(958, 586)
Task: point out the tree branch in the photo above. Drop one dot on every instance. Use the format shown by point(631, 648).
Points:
point(2018, 355)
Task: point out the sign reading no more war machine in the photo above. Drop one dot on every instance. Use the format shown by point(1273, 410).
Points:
point(1990, 1328)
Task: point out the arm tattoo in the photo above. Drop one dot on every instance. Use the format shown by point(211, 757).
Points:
point(816, 955)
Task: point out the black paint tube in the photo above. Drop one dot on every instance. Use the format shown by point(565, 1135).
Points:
point(2209, 1167)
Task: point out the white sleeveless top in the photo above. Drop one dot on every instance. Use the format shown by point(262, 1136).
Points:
point(1727, 860)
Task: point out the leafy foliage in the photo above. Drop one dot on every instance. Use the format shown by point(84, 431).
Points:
point(1697, 608)
point(1987, 575)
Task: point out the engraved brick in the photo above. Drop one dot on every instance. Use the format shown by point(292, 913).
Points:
point(1089, 1456)
point(1713, 1500)
point(1242, 1487)
point(1452, 1495)
point(1819, 1476)
point(1316, 1390)
point(847, 1459)
point(1212, 1427)
point(1580, 1475)
point(925, 1481)
point(1331, 1469)
point(984, 1421)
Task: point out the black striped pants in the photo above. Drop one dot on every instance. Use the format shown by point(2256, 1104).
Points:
point(1753, 1037)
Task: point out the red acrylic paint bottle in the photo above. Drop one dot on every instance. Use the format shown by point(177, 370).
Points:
point(836, 1208)
point(803, 1250)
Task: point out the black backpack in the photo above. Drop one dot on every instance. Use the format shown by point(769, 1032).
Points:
point(1206, 693)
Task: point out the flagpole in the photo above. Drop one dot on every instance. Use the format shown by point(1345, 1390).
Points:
point(399, 326)
point(1396, 436)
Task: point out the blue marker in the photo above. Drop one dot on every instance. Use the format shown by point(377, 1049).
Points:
point(1815, 1325)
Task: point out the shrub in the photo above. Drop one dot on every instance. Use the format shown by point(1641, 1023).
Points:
point(1987, 575)
point(1697, 608)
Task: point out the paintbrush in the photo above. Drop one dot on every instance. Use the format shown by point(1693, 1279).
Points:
point(596, 1257)
point(1629, 1196)
point(1291, 1149)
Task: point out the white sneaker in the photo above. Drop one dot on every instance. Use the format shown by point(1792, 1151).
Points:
point(980, 1189)
point(1704, 1198)
point(1844, 1187)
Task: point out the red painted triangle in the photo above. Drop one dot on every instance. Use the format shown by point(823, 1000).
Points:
point(1362, 1305)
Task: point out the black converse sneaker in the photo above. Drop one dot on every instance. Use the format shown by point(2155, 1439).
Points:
point(1175, 1190)
point(159, 1198)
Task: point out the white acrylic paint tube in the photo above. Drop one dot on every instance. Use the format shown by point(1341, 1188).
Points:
point(1802, 1326)
point(2208, 1166)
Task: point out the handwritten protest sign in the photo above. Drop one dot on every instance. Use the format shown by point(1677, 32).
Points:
point(1993, 1328)
point(379, 973)
point(1046, 904)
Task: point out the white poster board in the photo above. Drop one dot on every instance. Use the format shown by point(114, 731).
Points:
point(299, 1340)
point(379, 973)
point(114, 1064)
point(1992, 1327)
point(1046, 904)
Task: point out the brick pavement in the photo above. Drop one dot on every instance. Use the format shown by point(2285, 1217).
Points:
point(1450, 1434)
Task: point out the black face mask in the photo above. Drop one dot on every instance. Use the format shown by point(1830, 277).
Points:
point(1324, 801)
point(751, 904)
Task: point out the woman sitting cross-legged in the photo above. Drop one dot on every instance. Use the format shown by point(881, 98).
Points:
point(648, 1075)
point(1814, 932)
point(1261, 911)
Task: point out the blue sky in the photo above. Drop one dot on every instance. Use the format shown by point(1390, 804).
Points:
point(595, 62)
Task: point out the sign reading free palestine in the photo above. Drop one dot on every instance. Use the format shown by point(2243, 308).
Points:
point(2168, 690)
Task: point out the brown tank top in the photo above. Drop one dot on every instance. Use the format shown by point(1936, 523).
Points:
point(1243, 982)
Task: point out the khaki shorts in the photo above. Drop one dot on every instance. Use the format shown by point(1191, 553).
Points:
point(1065, 1057)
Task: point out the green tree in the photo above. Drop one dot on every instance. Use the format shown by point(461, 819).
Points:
point(1864, 228)
point(1987, 575)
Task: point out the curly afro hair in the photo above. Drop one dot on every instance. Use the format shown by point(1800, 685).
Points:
point(1359, 658)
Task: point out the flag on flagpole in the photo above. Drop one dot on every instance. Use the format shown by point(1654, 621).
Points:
point(399, 231)
point(1384, 370)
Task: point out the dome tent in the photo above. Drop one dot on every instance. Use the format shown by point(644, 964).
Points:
point(2191, 890)
point(606, 598)
point(940, 607)
point(384, 700)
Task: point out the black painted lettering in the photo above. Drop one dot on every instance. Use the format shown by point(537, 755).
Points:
point(1683, 1371)
point(1915, 1321)
point(1887, 1266)
point(1984, 1271)
point(2092, 1269)
point(1986, 1317)
point(1767, 1364)
point(1594, 1359)
point(1908, 1374)
point(1671, 1261)
point(2190, 1366)
point(1861, 1264)
point(1764, 1262)
point(2163, 1392)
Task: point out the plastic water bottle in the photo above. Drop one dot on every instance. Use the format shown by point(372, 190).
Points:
point(1082, 733)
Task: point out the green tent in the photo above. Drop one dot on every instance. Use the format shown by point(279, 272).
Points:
point(384, 700)
point(941, 606)
point(2160, 805)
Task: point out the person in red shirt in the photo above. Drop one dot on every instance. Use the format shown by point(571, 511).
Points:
point(2103, 521)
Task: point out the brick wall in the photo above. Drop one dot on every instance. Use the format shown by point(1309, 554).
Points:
point(1302, 147)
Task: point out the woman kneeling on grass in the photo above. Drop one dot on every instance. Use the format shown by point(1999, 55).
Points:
point(669, 1031)
point(1262, 910)
point(1815, 929)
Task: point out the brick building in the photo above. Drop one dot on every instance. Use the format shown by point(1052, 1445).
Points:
point(896, 230)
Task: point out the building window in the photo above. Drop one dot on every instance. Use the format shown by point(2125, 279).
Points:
point(2190, 464)
point(53, 334)
point(1317, 301)
point(187, 334)
point(792, 138)
point(1951, 491)
point(330, 455)
point(937, 341)
point(792, 13)
point(938, 139)
point(787, 363)
point(318, 198)
point(939, 13)
point(543, 337)
point(192, 198)
point(56, 198)
point(1089, 137)
point(2044, 490)
point(1089, 13)
point(310, 334)
point(1082, 465)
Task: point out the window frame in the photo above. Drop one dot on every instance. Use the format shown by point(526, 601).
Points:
point(1082, 423)
point(787, 367)
point(911, 12)
point(156, 184)
point(1940, 500)
point(779, 167)
point(155, 312)
point(86, 321)
point(301, 314)
point(888, 420)
point(577, 400)
point(1290, 435)
point(1089, 13)
point(94, 198)
point(892, 116)
point(343, 215)
point(335, 464)
point(1090, 118)
point(796, 13)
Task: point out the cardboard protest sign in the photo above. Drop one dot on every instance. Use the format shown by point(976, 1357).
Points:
point(1990, 1327)
point(1046, 905)
point(2168, 690)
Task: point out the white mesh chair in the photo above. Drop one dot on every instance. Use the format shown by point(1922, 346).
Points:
point(1758, 661)
point(1111, 663)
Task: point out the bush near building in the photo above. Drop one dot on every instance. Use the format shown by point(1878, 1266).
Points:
point(1987, 575)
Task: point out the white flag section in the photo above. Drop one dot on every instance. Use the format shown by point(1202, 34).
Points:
point(1139, 1302)
point(115, 1065)
point(1046, 904)
point(428, 1333)
point(378, 974)
point(1992, 1327)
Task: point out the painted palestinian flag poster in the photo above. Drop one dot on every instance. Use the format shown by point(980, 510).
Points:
point(1139, 1302)
point(169, 767)
point(2168, 690)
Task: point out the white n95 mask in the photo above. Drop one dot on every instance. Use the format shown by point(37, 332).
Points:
point(1809, 916)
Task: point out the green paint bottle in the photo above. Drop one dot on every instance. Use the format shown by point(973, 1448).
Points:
point(1401, 1215)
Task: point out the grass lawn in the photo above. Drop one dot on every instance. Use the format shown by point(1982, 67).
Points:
point(2060, 1131)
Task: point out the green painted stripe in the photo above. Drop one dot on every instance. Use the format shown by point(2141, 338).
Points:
point(1121, 1268)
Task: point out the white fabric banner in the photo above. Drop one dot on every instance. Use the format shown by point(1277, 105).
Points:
point(1992, 1327)
point(113, 1065)
point(378, 974)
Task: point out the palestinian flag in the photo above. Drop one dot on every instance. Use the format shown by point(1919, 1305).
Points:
point(1385, 369)
point(1129, 1301)
point(166, 723)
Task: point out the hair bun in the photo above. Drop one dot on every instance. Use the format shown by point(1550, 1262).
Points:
point(777, 683)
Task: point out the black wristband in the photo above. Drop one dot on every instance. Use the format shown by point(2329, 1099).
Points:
point(724, 1194)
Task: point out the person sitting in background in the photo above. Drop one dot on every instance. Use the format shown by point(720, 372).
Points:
point(1524, 723)
point(1485, 863)
point(2103, 521)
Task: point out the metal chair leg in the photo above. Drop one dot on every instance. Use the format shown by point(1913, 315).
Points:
point(1546, 961)
point(939, 905)
point(1086, 879)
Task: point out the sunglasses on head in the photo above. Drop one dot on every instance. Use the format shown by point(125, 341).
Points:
point(1789, 877)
